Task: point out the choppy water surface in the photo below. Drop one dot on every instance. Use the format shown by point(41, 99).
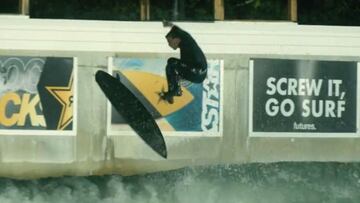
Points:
point(250, 183)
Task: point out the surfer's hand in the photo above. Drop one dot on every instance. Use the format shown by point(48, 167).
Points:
point(167, 23)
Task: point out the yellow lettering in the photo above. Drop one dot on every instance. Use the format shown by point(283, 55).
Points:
point(38, 120)
point(4, 100)
point(27, 108)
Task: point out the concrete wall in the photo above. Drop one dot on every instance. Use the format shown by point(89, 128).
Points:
point(91, 151)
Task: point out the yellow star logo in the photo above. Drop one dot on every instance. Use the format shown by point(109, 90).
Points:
point(65, 96)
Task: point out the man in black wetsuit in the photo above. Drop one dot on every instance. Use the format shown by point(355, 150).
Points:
point(191, 66)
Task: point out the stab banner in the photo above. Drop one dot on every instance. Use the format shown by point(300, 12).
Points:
point(197, 110)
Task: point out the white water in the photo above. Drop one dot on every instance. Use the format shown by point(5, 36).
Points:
point(252, 183)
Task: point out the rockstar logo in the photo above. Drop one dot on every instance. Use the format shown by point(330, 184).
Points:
point(65, 96)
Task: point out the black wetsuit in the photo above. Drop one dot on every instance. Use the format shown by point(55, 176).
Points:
point(191, 66)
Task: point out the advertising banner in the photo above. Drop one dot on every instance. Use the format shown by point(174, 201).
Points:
point(36, 93)
point(197, 110)
point(304, 96)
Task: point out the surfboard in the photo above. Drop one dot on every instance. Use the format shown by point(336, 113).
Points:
point(146, 86)
point(132, 110)
point(149, 85)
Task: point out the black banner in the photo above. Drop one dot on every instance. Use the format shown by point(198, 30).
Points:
point(304, 96)
point(55, 89)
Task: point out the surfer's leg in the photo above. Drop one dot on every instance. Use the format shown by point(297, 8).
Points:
point(192, 74)
point(173, 68)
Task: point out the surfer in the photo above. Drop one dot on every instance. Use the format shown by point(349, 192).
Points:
point(191, 66)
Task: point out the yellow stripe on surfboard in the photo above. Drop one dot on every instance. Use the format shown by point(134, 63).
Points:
point(150, 84)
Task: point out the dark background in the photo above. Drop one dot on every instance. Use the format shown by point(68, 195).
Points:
point(319, 12)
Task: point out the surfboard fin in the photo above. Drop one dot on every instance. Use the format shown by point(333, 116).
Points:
point(161, 95)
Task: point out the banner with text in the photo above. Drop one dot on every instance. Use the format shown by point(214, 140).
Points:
point(197, 110)
point(36, 93)
point(304, 96)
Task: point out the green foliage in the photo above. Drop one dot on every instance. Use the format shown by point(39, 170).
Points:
point(329, 12)
point(160, 9)
point(326, 12)
point(9, 6)
point(256, 9)
point(188, 10)
point(86, 9)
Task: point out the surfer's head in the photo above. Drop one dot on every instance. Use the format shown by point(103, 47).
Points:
point(173, 37)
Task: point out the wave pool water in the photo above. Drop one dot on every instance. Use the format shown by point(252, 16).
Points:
point(248, 183)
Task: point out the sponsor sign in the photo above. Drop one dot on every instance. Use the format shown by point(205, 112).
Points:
point(36, 93)
point(304, 96)
point(197, 110)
